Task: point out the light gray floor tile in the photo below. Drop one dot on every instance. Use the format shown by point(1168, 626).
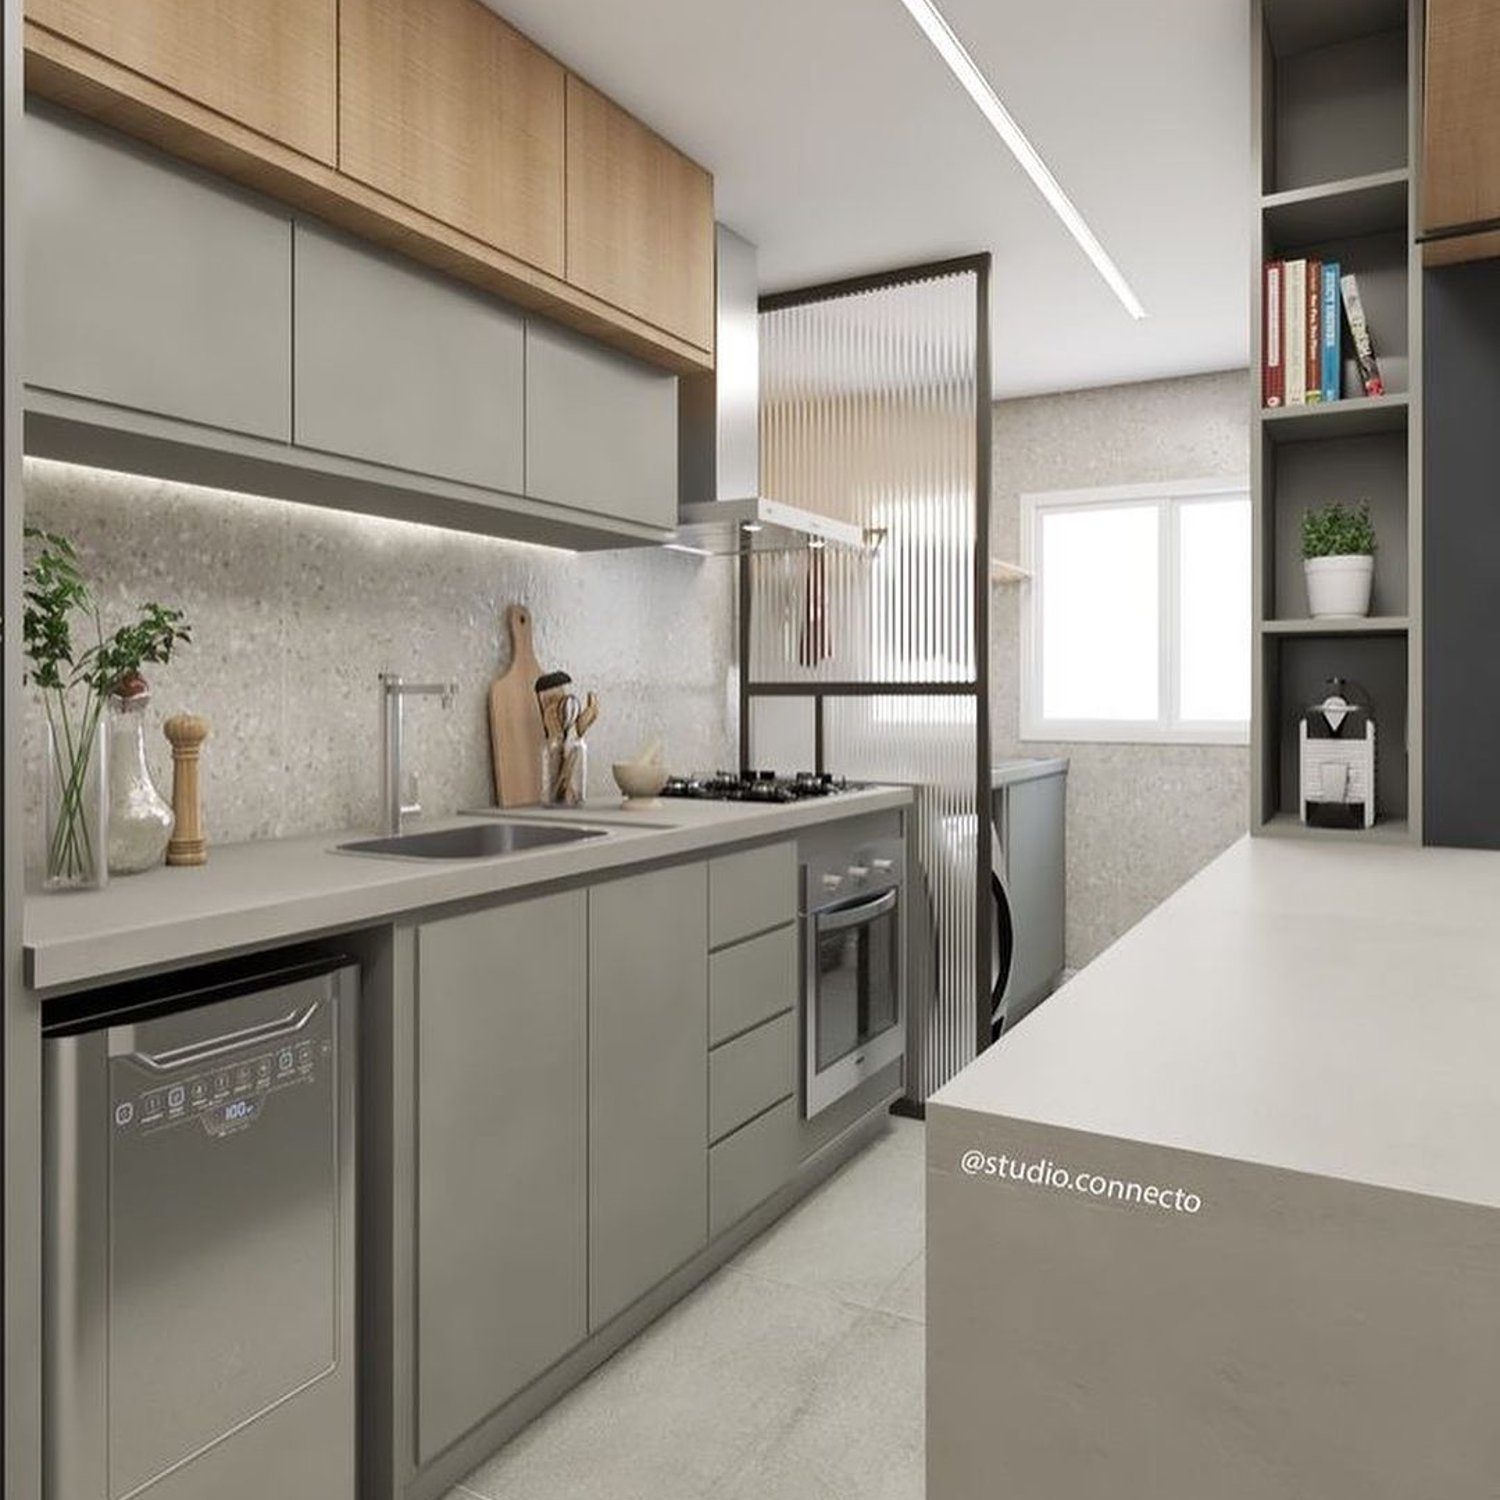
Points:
point(679, 1409)
point(853, 1237)
point(775, 1378)
point(906, 1297)
point(861, 1434)
point(911, 1134)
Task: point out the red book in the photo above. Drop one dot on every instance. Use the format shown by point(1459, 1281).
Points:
point(1314, 365)
point(1273, 364)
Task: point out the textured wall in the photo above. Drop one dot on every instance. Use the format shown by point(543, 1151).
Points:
point(296, 610)
point(1141, 818)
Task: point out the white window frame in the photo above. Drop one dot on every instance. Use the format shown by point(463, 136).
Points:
point(1168, 729)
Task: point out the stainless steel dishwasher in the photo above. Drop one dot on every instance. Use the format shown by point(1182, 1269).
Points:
point(199, 1236)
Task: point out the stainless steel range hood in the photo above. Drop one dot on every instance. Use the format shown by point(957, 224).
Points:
point(720, 506)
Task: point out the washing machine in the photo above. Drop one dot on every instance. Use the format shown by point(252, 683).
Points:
point(1028, 882)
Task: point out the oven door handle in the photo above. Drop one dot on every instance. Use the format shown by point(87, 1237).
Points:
point(857, 916)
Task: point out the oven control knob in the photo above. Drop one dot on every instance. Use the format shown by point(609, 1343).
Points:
point(884, 865)
point(859, 872)
point(832, 882)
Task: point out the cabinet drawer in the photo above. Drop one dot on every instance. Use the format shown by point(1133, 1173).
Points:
point(750, 983)
point(751, 892)
point(751, 1073)
point(745, 1168)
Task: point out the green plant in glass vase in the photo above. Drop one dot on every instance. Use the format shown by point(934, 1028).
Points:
point(75, 682)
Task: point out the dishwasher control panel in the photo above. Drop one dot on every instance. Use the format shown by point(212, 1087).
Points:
point(227, 1097)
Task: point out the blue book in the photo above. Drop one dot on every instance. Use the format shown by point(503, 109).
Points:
point(1330, 326)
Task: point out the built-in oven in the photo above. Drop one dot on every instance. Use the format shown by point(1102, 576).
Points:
point(853, 968)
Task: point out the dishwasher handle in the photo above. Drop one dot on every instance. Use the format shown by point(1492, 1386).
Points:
point(199, 1052)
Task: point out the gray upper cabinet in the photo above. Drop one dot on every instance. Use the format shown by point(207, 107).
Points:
point(648, 1084)
point(150, 286)
point(397, 365)
point(502, 1197)
point(601, 429)
point(179, 327)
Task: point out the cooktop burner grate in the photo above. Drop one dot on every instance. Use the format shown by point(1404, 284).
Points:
point(756, 786)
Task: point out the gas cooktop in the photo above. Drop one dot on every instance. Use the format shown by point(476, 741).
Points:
point(757, 786)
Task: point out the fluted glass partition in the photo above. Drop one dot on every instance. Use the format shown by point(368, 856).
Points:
point(874, 410)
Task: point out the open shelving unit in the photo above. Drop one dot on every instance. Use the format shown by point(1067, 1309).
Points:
point(1336, 91)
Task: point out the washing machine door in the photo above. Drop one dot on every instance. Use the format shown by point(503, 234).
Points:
point(1002, 938)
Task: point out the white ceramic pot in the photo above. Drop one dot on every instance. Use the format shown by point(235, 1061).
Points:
point(1339, 585)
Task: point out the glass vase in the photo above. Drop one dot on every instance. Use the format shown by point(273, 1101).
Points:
point(77, 805)
point(140, 820)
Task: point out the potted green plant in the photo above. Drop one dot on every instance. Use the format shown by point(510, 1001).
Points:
point(1338, 559)
point(76, 685)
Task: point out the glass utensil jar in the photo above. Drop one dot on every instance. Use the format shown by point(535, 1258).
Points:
point(565, 767)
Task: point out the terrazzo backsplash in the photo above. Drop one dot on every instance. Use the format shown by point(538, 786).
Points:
point(296, 611)
point(1142, 818)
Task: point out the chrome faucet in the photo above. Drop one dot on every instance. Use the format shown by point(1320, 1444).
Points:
point(394, 691)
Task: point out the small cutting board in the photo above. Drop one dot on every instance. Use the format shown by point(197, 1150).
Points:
point(515, 720)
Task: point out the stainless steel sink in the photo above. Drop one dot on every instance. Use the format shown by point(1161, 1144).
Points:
point(489, 840)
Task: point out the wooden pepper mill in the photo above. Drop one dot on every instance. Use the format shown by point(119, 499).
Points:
point(188, 845)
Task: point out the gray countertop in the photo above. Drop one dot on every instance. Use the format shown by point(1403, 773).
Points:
point(1009, 772)
point(1324, 1008)
point(284, 889)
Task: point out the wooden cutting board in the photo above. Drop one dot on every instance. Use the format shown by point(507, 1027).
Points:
point(515, 720)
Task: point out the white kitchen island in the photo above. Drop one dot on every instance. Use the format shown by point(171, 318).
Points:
point(1222, 1218)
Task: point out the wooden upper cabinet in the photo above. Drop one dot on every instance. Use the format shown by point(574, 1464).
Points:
point(1461, 169)
point(270, 65)
point(448, 109)
point(640, 219)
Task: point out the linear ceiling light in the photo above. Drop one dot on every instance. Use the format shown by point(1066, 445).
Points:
point(963, 67)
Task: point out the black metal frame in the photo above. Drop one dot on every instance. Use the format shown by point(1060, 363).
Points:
point(979, 688)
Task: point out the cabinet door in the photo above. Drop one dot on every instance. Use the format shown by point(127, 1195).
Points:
point(448, 109)
point(640, 219)
point(150, 286)
point(601, 429)
point(268, 64)
point(1461, 171)
point(502, 1198)
point(648, 1082)
point(401, 366)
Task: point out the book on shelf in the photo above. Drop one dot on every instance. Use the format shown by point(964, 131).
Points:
point(1294, 331)
point(1304, 304)
point(1359, 335)
point(1273, 370)
point(1313, 332)
point(1331, 363)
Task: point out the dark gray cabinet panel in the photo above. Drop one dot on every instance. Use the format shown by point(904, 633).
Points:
point(150, 286)
point(648, 1082)
point(1461, 536)
point(400, 366)
point(502, 1162)
point(601, 429)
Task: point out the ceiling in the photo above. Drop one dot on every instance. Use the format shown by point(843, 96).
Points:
point(840, 144)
